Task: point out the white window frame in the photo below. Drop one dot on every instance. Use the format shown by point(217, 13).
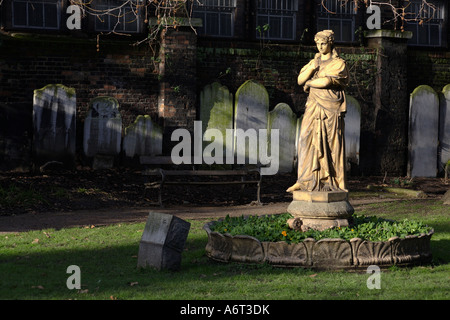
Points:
point(429, 21)
point(281, 10)
point(56, 3)
point(222, 9)
point(340, 13)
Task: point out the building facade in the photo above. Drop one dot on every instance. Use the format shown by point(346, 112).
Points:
point(237, 40)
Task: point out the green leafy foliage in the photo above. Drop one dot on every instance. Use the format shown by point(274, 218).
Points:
point(274, 228)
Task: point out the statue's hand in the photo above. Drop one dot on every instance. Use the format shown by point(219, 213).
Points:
point(306, 87)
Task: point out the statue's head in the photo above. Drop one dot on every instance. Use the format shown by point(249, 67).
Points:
point(325, 42)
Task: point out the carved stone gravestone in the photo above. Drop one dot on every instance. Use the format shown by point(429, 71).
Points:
point(352, 132)
point(423, 132)
point(162, 242)
point(54, 124)
point(444, 128)
point(251, 115)
point(103, 131)
point(143, 137)
point(216, 112)
point(283, 119)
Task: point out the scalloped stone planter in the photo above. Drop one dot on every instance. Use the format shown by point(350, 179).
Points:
point(324, 254)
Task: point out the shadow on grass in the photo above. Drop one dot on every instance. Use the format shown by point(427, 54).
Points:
point(110, 272)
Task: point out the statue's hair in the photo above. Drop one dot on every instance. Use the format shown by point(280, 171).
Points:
point(327, 35)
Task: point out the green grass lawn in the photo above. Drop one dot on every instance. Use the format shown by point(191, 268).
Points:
point(33, 266)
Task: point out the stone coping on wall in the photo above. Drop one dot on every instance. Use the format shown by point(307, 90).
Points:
point(382, 33)
point(324, 254)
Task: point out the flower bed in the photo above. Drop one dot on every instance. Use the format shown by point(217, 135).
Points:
point(367, 241)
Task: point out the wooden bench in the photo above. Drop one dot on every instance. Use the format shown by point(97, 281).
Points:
point(164, 176)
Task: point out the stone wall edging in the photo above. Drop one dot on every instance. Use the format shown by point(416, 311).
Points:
point(324, 254)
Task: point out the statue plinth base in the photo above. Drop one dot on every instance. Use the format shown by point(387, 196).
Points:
point(321, 210)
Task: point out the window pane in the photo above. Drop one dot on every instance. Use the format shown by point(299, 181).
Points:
point(435, 35)
point(20, 14)
point(423, 34)
point(413, 28)
point(322, 25)
point(130, 21)
point(275, 27)
point(262, 21)
point(288, 28)
point(101, 23)
point(50, 16)
point(212, 23)
point(114, 21)
point(347, 31)
point(335, 25)
point(35, 14)
point(217, 17)
point(225, 24)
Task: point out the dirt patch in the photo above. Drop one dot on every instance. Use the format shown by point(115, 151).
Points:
point(87, 197)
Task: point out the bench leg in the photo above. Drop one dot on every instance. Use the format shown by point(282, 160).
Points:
point(258, 195)
point(160, 196)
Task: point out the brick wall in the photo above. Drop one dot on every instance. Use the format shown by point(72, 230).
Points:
point(429, 67)
point(277, 66)
point(177, 88)
point(117, 70)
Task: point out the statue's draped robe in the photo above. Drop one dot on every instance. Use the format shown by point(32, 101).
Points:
point(321, 149)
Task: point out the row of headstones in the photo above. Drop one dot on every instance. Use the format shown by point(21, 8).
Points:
point(250, 110)
point(429, 131)
point(54, 114)
point(54, 122)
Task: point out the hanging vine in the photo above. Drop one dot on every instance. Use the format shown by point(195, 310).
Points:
point(158, 15)
point(401, 12)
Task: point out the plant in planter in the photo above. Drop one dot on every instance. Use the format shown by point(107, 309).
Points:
point(366, 241)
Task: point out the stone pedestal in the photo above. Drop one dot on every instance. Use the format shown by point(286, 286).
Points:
point(321, 210)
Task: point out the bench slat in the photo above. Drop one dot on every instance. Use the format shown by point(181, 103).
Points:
point(211, 182)
point(199, 172)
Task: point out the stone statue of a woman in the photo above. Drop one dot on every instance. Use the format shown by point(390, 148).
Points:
point(321, 157)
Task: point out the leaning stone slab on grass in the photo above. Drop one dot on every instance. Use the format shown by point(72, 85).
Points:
point(54, 124)
point(444, 128)
point(352, 132)
point(282, 118)
point(162, 242)
point(423, 132)
point(251, 114)
point(143, 137)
